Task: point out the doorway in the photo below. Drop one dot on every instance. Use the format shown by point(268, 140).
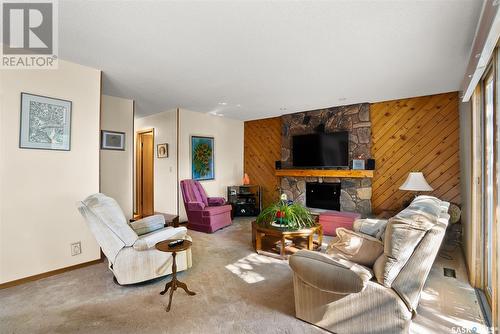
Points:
point(145, 173)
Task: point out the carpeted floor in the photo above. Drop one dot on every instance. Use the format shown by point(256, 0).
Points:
point(237, 290)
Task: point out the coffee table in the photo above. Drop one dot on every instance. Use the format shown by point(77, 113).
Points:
point(174, 283)
point(283, 233)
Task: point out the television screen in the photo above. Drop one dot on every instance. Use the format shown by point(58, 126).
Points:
point(321, 150)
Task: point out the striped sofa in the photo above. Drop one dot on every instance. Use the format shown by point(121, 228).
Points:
point(342, 296)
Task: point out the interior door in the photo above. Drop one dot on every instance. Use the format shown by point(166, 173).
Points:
point(145, 173)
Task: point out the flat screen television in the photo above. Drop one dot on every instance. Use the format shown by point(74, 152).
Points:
point(321, 150)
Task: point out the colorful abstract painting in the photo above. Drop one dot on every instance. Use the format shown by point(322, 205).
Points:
point(202, 158)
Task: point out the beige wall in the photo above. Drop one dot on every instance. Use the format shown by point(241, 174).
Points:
point(117, 114)
point(39, 188)
point(228, 152)
point(165, 169)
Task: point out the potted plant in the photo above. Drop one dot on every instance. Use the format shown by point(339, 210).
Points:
point(287, 214)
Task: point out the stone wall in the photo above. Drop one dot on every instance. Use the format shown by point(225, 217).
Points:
point(356, 193)
point(353, 118)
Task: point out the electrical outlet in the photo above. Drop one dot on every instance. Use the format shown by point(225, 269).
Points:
point(76, 248)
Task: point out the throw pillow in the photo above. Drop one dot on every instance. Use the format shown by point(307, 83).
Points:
point(372, 227)
point(356, 247)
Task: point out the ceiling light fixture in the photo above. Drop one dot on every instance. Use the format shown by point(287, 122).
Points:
point(223, 103)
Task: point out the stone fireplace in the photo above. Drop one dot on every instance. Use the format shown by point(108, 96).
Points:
point(356, 192)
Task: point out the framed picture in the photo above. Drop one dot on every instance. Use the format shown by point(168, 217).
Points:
point(112, 140)
point(202, 158)
point(358, 164)
point(45, 123)
point(162, 150)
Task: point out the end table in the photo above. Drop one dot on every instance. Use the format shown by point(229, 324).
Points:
point(174, 283)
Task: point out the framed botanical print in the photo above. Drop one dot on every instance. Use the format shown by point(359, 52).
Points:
point(112, 140)
point(202, 158)
point(45, 123)
point(162, 150)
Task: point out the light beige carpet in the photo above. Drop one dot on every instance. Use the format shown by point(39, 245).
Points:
point(237, 290)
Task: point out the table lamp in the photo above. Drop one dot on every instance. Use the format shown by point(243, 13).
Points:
point(415, 182)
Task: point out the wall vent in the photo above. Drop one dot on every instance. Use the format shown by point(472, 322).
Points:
point(448, 272)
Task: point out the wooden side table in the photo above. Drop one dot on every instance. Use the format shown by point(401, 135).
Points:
point(170, 219)
point(386, 214)
point(174, 283)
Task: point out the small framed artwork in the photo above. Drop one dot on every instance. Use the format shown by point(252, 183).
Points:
point(45, 123)
point(162, 150)
point(358, 164)
point(202, 158)
point(112, 140)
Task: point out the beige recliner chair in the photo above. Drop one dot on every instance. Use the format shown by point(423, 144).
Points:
point(130, 249)
point(345, 297)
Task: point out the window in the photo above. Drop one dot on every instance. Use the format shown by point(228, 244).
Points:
point(488, 184)
point(485, 188)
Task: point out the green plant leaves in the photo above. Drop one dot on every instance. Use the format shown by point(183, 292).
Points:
point(296, 215)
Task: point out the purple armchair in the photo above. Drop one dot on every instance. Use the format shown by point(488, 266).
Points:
point(205, 214)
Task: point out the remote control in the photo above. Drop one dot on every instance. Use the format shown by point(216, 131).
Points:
point(176, 243)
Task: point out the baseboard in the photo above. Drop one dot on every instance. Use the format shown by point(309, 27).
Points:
point(48, 274)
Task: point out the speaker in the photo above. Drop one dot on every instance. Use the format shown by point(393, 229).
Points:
point(370, 164)
point(277, 164)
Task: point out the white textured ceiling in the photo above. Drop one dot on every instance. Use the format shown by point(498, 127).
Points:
point(256, 59)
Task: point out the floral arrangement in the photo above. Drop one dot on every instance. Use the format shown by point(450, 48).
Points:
point(285, 213)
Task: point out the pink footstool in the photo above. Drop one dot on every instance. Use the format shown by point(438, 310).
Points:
point(331, 220)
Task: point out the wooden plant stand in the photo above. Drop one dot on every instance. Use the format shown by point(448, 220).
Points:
point(174, 283)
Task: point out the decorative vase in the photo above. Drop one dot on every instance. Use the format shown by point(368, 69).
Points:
point(246, 179)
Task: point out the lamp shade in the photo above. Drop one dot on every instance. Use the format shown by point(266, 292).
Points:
point(416, 182)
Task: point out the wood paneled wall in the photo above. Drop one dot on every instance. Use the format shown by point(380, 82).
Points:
point(415, 134)
point(262, 149)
